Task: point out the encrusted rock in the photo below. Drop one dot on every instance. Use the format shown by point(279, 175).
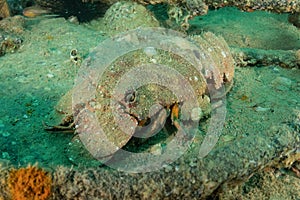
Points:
point(13, 24)
point(124, 16)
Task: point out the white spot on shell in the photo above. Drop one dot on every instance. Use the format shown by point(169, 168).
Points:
point(194, 78)
point(223, 54)
point(153, 60)
point(196, 114)
point(150, 51)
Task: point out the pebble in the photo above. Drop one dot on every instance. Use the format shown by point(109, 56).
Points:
point(261, 109)
point(192, 164)
point(5, 155)
point(275, 69)
point(156, 150)
point(5, 134)
point(168, 168)
point(50, 75)
point(47, 89)
point(228, 138)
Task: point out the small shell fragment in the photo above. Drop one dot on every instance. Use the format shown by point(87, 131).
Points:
point(261, 109)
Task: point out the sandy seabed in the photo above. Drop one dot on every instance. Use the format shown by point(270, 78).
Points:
point(36, 76)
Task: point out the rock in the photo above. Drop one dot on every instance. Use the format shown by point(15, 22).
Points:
point(295, 19)
point(124, 16)
point(281, 83)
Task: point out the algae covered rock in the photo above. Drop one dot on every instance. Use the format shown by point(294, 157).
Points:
point(123, 16)
point(11, 34)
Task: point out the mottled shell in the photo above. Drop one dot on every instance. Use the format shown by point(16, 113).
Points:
point(115, 115)
point(119, 118)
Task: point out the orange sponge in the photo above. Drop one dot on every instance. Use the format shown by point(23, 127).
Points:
point(30, 183)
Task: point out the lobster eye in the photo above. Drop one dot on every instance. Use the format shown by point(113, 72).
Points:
point(130, 97)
